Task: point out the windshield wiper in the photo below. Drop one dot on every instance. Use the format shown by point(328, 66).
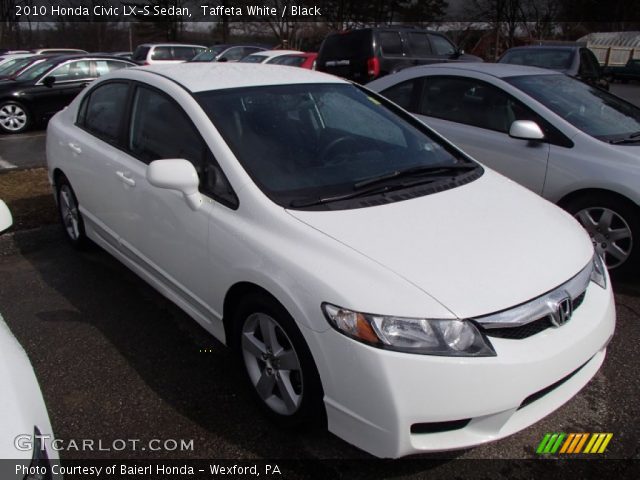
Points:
point(335, 198)
point(430, 170)
point(632, 138)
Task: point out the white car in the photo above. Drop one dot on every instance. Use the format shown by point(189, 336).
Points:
point(574, 144)
point(165, 53)
point(362, 267)
point(26, 429)
point(267, 56)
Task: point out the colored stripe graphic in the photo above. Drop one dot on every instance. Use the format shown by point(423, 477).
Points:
point(574, 443)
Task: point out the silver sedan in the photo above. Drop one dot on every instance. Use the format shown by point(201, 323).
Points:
point(574, 144)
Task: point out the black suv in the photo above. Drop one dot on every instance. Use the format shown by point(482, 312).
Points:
point(366, 54)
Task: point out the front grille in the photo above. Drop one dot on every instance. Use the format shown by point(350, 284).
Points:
point(529, 329)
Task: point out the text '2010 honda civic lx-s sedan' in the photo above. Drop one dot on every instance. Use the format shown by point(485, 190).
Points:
point(367, 272)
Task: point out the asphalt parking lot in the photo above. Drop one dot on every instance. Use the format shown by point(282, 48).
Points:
point(116, 360)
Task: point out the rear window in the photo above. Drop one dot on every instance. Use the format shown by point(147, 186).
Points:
point(356, 44)
point(390, 43)
point(554, 59)
point(140, 54)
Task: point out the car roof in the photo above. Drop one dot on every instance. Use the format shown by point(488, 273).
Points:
point(199, 77)
point(170, 44)
point(499, 70)
point(274, 53)
point(545, 47)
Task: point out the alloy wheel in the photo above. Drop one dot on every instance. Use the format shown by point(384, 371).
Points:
point(272, 364)
point(13, 117)
point(610, 233)
point(69, 212)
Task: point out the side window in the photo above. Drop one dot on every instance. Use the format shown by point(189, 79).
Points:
point(102, 111)
point(472, 102)
point(161, 129)
point(390, 43)
point(588, 66)
point(419, 44)
point(234, 54)
point(440, 45)
point(161, 53)
point(402, 94)
point(183, 53)
point(102, 67)
point(250, 50)
point(71, 71)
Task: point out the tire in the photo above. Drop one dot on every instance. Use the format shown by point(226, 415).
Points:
point(14, 117)
point(613, 224)
point(69, 213)
point(276, 362)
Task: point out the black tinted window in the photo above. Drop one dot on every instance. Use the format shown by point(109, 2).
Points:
point(160, 129)
point(183, 53)
point(103, 110)
point(161, 53)
point(390, 43)
point(419, 44)
point(472, 102)
point(440, 45)
point(356, 44)
point(140, 54)
point(402, 93)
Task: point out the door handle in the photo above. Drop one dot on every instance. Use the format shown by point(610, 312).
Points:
point(125, 179)
point(75, 147)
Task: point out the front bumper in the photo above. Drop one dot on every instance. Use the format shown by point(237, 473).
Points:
point(374, 396)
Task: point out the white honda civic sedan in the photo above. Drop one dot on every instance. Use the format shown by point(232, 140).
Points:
point(367, 272)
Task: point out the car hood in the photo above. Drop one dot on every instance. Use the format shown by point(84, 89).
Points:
point(478, 248)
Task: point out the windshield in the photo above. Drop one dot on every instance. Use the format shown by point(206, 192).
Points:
point(12, 66)
point(552, 58)
point(37, 69)
point(305, 141)
point(209, 55)
point(592, 110)
point(255, 58)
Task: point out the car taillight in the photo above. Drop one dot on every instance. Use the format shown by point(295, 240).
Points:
point(373, 67)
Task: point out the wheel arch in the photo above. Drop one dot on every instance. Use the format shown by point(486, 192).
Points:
point(585, 192)
point(232, 300)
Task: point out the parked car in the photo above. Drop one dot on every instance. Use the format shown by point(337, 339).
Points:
point(268, 56)
point(38, 92)
point(340, 246)
point(12, 56)
point(15, 66)
point(575, 61)
point(226, 53)
point(302, 60)
point(630, 71)
point(574, 144)
point(366, 54)
point(58, 51)
point(152, 53)
point(23, 414)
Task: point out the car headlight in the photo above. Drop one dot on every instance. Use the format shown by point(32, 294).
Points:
point(427, 336)
point(599, 272)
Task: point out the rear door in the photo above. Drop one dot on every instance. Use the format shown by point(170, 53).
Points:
point(392, 52)
point(104, 183)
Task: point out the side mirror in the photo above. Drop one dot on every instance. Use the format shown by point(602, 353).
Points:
point(6, 220)
point(176, 174)
point(526, 130)
point(223, 59)
point(49, 81)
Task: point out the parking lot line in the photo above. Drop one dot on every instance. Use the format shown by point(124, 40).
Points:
point(4, 165)
point(22, 137)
